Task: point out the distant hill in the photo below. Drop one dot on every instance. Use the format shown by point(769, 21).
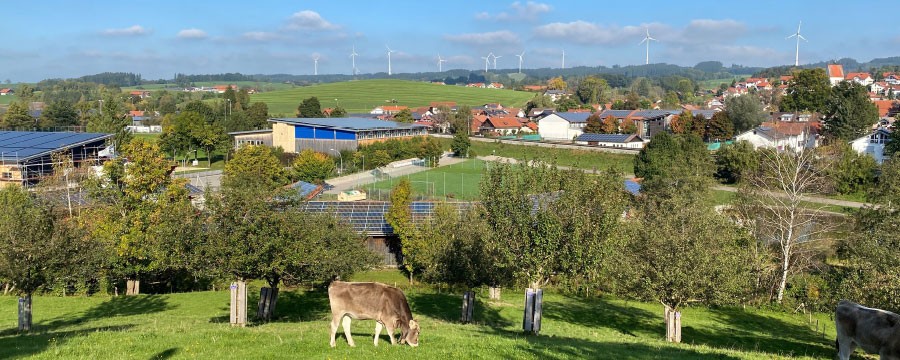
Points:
point(364, 95)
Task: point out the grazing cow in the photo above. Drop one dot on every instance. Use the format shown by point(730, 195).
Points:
point(875, 331)
point(371, 301)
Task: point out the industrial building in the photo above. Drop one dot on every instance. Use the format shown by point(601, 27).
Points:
point(26, 157)
point(328, 134)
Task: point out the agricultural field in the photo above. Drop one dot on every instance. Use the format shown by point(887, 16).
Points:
point(364, 95)
point(6, 99)
point(195, 325)
point(262, 86)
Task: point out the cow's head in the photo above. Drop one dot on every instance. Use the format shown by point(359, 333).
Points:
point(412, 336)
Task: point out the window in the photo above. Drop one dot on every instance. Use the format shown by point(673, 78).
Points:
point(7, 175)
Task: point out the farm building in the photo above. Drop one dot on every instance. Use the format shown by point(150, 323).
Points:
point(26, 157)
point(325, 134)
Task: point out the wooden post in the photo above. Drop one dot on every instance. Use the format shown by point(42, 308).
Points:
point(538, 307)
point(494, 292)
point(468, 307)
point(25, 313)
point(133, 287)
point(266, 306)
point(239, 303)
point(528, 319)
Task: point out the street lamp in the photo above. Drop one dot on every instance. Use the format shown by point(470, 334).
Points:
point(336, 103)
point(342, 159)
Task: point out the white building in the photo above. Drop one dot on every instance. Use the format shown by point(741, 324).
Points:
point(782, 136)
point(628, 141)
point(872, 144)
point(835, 73)
point(563, 125)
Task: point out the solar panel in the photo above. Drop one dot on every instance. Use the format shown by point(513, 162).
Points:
point(368, 216)
point(620, 138)
point(21, 145)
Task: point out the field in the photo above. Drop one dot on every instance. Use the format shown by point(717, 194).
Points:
point(584, 159)
point(364, 95)
point(218, 160)
point(6, 99)
point(195, 325)
point(262, 86)
point(460, 181)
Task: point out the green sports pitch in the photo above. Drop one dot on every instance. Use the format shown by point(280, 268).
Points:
point(458, 181)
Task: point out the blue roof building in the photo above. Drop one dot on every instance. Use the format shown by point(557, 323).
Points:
point(336, 134)
point(26, 156)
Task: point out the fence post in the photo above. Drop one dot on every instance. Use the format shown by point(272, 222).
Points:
point(239, 303)
point(467, 307)
point(528, 321)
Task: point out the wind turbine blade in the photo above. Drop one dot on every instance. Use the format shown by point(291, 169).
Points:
point(801, 37)
point(643, 41)
point(790, 36)
point(798, 26)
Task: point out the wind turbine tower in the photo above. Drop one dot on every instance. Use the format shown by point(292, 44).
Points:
point(495, 61)
point(353, 56)
point(316, 64)
point(389, 58)
point(440, 62)
point(487, 61)
point(647, 40)
point(798, 36)
point(520, 56)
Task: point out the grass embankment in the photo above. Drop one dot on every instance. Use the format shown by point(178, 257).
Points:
point(7, 99)
point(195, 325)
point(364, 95)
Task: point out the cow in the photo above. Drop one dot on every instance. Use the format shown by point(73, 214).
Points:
point(371, 301)
point(875, 331)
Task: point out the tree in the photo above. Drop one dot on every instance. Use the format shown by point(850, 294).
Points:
point(692, 254)
point(59, 113)
point(379, 158)
point(773, 208)
point(313, 167)
point(632, 101)
point(556, 83)
point(539, 101)
point(111, 119)
point(808, 90)
point(36, 246)
point(399, 216)
point(848, 112)
point(671, 99)
point(404, 116)
point(735, 161)
point(628, 126)
point(230, 97)
point(203, 109)
point(461, 120)
point(672, 164)
point(209, 137)
point(610, 125)
point(17, 117)
point(848, 170)
point(338, 112)
point(257, 116)
point(745, 112)
point(178, 132)
point(254, 166)
point(720, 127)
point(460, 145)
point(592, 90)
point(593, 124)
point(310, 108)
point(429, 149)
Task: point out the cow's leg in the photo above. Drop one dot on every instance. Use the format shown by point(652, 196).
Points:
point(346, 323)
point(845, 347)
point(390, 332)
point(378, 327)
point(335, 318)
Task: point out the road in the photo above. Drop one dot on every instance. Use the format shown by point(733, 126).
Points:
point(812, 199)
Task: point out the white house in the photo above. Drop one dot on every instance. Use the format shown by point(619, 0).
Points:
point(562, 125)
point(835, 73)
point(555, 94)
point(862, 78)
point(872, 144)
point(782, 135)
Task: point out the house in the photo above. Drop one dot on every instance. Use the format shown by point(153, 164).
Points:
point(141, 94)
point(872, 144)
point(220, 89)
point(785, 79)
point(495, 85)
point(393, 109)
point(252, 137)
point(503, 125)
point(475, 125)
point(323, 134)
point(835, 73)
point(531, 126)
point(555, 94)
point(7, 91)
point(628, 141)
point(783, 135)
point(475, 85)
point(879, 87)
point(562, 125)
point(537, 113)
point(794, 117)
point(862, 78)
point(891, 78)
point(137, 116)
point(887, 108)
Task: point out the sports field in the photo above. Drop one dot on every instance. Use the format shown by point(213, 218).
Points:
point(457, 181)
point(364, 95)
point(582, 159)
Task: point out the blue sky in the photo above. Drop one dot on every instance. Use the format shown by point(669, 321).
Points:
point(46, 39)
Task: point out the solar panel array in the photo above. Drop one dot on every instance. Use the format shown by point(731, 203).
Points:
point(304, 188)
point(22, 145)
point(367, 217)
point(619, 138)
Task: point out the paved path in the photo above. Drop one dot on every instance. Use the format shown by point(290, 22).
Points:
point(357, 180)
point(812, 199)
point(203, 179)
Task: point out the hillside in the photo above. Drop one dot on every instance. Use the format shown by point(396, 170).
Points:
point(362, 96)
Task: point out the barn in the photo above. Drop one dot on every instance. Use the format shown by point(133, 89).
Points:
point(26, 156)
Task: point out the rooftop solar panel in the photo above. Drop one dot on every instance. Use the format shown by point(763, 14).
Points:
point(619, 138)
point(22, 145)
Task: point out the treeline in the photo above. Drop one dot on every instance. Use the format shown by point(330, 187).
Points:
point(120, 79)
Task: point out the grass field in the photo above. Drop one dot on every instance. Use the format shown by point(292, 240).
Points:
point(218, 161)
point(6, 99)
point(459, 181)
point(195, 325)
point(262, 86)
point(364, 95)
point(584, 159)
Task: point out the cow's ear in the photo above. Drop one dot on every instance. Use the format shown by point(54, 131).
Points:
point(413, 324)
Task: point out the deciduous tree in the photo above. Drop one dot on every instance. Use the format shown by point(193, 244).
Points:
point(593, 124)
point(720, 127)
point(404, 116)
point(310, 108)
point(313, 167)
point(745, 112)
point(808, 90)
point(848, 112)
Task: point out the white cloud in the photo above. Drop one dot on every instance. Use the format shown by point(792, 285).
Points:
point(530, 10)
point(309, 20)
point(503, 37)
point(586, 33)
point(191, 34)
point(134, 30)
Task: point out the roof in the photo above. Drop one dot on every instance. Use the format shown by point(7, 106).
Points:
point(574, 117)
point(787, 128)
point(351, 124)
point(836, 70)
point(394, 107)
point(884, 107)
point(368, 217)
point(616, 138)
point(504, 122)
point(248, 132)
point(25, 145)
point(861, 75)
point(307, 190)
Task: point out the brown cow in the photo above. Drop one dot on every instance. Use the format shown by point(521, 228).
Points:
point(371, 301)
point(875, 331)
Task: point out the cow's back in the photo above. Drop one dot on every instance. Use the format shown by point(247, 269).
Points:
point(368, 300)
point(874, 330)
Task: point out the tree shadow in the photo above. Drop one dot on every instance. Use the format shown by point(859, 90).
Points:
point(292, 306)
point(448, 307)
point(165, 354)
point(604, 313)
point(114, 307)
point(27, 345)
point(745, 330)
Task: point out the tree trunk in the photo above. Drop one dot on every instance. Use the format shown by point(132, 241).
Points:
point(239, 303)
point(133, 287)
point(673, 325)
point(268, 296)
point(785, 266)
point(25, 313)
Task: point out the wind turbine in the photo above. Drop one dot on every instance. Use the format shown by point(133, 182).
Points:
point(389, 58)
point(798, 36)
point(440, 62)
point(487, 61)
point(520, 60)
point(647, 40)
point(316, 60)
point(495, 61)
point(564, 59)
point(353, 56)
